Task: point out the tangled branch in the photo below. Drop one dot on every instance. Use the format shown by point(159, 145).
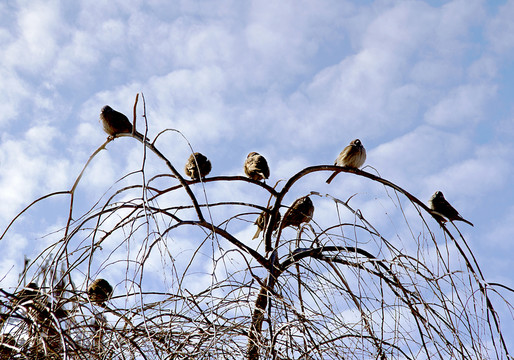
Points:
point(188, 281)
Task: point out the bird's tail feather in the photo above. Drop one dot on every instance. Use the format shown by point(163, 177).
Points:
point(257, 233)
point(466, 221)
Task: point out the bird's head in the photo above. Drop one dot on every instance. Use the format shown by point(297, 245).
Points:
point(438, 195)
point(106, 109)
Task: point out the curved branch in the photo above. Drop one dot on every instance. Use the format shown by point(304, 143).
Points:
point(29, 206)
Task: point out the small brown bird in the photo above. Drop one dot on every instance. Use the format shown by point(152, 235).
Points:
point(442, 208)
point(193, 165)
point(256, 166)
point(115, 122)
point(8, 345)
point(99, 291)
point(352, 156)
point(262, 222)
point(301, 211)
point(29, 292)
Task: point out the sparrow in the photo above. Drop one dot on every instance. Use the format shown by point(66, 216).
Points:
point(191, 167)
point(301, 211)
point(37, 304)
point(99, 291)
point(256, 166)
point(115, 123)
point(29, 292)
point(7, 345)
point(442, 208)
point(352, 156)
point(262, 222)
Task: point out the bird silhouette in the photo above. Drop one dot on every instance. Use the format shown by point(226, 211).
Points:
point(442, 209)
point(197, 161)
point(301, 211)
point(352, 156)
point(256, 166)
point(262, 222)
point(115, 123)
point(99, 291)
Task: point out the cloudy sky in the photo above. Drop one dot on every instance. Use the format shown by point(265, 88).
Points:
point(426, 85)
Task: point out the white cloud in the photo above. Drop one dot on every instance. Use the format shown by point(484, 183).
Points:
point(500, 30)
point(40, 29)
point(435, 72)
point(455, 23)
point(485, 171)
point(483, 69)
point(281, 37)
point(398, 29)
point(76, 58)
point(14, 96)
point(502, 231)
point(411, 157)
point(464, 105)
point(504, 128)
point(370, 92)
point(12, 248)
point(30, 168)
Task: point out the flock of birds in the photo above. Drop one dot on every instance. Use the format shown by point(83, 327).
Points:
point(255, 167)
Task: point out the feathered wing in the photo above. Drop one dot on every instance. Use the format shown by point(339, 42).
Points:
point(262, 167)
point(197, 166)
point(262, 222)
point(353, 156)
point(115, 123)
point(300, 211)
point(442, 207)
point(256, 167)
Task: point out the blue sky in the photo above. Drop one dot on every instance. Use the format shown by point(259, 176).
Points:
point(426, 85)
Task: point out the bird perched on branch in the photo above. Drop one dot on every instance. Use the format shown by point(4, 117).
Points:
point(195, 162)
point(262, 222)
point(99, 291)
point(352, 156)
point(7, 345)
point(29, 292)
point(442, 209)
point(256, 166)
point(301, 211)
point(115, 123)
